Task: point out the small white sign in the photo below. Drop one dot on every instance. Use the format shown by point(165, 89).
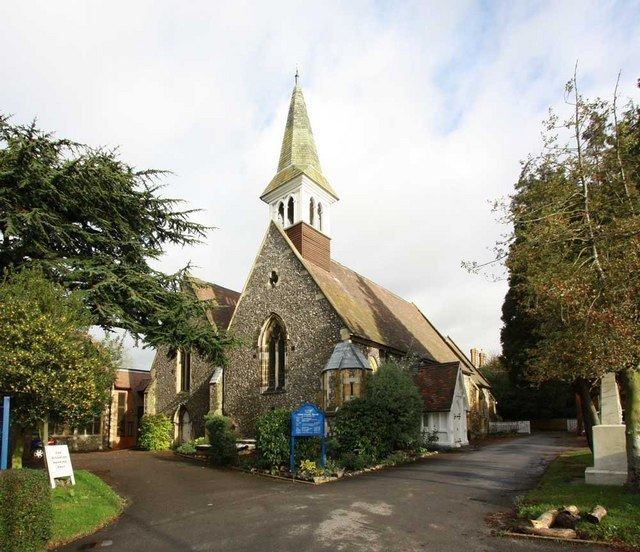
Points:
point(58, 463)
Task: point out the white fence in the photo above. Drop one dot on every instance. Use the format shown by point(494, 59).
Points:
point(510, 427)
point(572, 425)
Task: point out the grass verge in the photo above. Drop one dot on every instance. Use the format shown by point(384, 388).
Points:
point(563, 484)
point(83, 508)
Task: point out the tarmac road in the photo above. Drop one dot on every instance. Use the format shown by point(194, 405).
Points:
point(438, 504)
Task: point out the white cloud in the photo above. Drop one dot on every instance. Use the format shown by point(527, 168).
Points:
point(421, 113)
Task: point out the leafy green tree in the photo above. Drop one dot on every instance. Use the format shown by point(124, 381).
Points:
point(575, 251)
point(48, 363)
point(93, 223)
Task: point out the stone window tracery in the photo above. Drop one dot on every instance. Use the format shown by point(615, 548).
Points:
point(273, 345)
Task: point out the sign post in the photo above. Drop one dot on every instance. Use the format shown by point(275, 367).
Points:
point(5, 429)
point(307, 421)
point(58, 463)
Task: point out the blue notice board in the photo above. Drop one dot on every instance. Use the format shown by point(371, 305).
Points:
point(307, 421)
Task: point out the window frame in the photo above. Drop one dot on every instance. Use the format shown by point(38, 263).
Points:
point(273, 355)
point(183, 371)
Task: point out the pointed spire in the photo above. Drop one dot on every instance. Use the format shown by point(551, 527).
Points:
point(298, 154)
point(298, 145)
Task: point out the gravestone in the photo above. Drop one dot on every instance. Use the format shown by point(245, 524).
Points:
point(609, 441)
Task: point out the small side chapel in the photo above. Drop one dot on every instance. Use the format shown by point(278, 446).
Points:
point(310, 329)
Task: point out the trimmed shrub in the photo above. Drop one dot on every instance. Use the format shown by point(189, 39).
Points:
point(395, 406)
point(272, 438)
point(222, 439)
point(26, 514)
point(155, 432)
point(356, 434)
point(387, 418)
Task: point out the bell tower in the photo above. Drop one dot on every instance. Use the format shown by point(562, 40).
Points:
point(299, 196)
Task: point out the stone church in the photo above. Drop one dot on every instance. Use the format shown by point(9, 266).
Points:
point(309, 328)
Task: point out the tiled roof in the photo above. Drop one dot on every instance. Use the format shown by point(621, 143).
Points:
point(375, 314)
point(135, 380)
point(298, 154)
point(437, 384)
point(346, 355)
point(225, 299)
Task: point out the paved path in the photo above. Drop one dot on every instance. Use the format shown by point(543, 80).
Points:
point(438, 504)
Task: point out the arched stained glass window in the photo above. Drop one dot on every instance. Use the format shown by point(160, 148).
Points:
point(273, 346)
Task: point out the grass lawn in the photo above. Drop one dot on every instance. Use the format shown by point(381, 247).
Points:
point(563, 484)
point(83, 508)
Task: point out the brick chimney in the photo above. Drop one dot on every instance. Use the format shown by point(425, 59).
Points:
point(475, 357)
point(478, 357)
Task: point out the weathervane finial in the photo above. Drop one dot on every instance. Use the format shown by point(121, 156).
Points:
point(297, 75)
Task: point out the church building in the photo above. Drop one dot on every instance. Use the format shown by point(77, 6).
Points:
point(309, 328)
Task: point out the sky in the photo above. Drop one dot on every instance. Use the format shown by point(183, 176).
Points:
point(421, 113)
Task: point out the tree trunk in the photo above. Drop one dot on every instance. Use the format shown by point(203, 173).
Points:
point(555, 532)
point(631, 382)
point(17, 446)
point(544, 520)
point(596, 515)
point(589, 413)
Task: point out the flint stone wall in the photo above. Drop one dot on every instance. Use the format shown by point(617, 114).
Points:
point(312, 327)
point(168, 400)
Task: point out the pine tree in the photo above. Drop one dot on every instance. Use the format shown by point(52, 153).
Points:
point(93, 224)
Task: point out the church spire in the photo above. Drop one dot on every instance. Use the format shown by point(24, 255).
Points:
point(298, 154)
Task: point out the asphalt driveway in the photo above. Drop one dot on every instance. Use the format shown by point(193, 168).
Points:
point(438, 504)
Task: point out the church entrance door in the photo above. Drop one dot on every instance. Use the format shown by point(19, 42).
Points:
point(182, 423)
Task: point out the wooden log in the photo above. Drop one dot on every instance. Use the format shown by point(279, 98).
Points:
point(545, 520)
point(571, 509)
point(596, 515)
point(566, 519)
point(557, 533)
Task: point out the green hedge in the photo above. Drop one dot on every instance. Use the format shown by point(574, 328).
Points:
point(155, 432)
point(26, 514)
point(272, 438)
point(387, 418)
point(222, 439)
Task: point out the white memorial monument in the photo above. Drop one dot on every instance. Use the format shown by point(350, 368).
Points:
point(609, 444)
